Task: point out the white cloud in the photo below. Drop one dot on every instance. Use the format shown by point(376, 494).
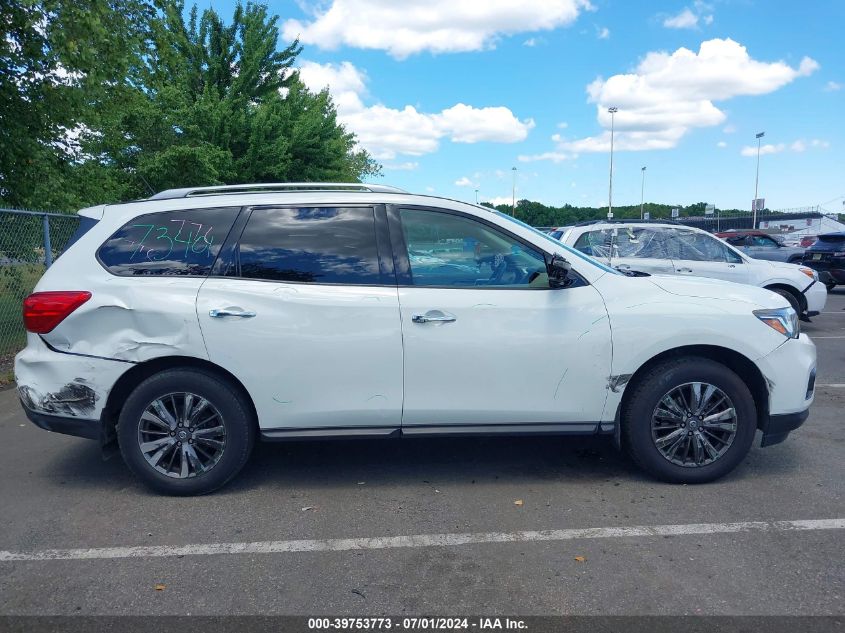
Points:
point(797, 146)
point(555, 157)
point(496, 201)
point(407, 166)
point(721, 144)
point(708, 19)
point(668, 94)
point(439, 26)
point(686, 19)
point(768, 148)
point(603, 33)
point(729, 129)
point(832, 86)
point(463, 181)
point(388, 132)
point(563, 125)
point(531, 42)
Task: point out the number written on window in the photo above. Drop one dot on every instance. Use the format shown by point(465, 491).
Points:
point(168, 243)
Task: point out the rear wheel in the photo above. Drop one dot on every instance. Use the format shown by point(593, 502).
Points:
point(185, 432)
point(689, 420)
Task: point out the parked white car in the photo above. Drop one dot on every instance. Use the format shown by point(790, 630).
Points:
point(673, 249)
point(190, 325)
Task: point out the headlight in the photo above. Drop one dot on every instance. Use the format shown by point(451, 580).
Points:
point(784, 320)
point(812, 274)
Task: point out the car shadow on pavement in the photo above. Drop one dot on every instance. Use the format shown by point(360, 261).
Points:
point(333, 463)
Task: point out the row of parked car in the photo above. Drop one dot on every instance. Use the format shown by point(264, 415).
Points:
point(674, 249)
point(823, 253)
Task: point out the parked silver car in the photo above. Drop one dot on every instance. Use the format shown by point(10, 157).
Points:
point(761, 245)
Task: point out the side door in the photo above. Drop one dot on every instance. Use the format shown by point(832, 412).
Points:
point(695, 253)
point(764, 247)
point(488, 344)
point(302, 308)
point(628, 248)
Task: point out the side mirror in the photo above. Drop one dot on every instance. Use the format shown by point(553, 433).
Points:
point(559, 272)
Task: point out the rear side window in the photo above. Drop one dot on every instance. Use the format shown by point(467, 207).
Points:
point(331, 245)
point(168, 243)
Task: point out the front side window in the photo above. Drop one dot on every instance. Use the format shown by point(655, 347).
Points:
point(449, 250)
point(168, 243)
point(624, 241)
point(334, 245)
point(764, 241)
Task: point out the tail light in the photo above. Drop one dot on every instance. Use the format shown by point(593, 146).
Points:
point(42, 311)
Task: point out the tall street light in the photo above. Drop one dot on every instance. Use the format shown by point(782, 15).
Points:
point(756, 182)
point(642, 196)
point(613, 110)
point(513, 193)
point(476, 196)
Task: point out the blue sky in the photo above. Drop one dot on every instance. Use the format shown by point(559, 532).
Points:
point(449, 95)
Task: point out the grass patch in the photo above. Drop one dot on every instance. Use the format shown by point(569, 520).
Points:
point(16, 282)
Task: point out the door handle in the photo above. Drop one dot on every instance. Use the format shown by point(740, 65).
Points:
point(731, 265)
point(685, 270)
point(434, 316)
point(217, 314)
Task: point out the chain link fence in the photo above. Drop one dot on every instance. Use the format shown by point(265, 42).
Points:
point(29, 242)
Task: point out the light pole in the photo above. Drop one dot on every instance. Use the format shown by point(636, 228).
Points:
point(613, 110)
point(476, 196)
point(513, 193)
point(642, 196)
point(756, 182)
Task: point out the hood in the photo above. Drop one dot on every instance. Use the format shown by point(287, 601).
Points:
point(705, 288)
point(782, 266)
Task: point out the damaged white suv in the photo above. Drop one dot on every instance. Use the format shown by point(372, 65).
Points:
point(189, 325)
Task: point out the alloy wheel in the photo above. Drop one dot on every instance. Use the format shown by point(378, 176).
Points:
point(694, 424)
point(181, 435)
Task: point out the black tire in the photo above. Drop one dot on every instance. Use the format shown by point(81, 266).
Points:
point(234, 415)
point(793, 300)
point(658, 381)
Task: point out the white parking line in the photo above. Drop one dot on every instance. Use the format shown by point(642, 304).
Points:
point(838, 385)
point(818, 337)
point(417, 540)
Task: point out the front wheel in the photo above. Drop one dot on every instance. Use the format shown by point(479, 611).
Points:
point(689, 420)
point(185, 432)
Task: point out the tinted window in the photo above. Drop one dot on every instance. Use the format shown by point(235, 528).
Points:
point(310, 245)
point(454, 251)
point(168, 243)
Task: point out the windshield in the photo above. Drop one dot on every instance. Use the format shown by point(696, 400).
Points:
point(558, 243)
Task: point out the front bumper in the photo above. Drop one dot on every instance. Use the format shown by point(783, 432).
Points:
point(790, 373)
point(816, 296)
point(777, 427)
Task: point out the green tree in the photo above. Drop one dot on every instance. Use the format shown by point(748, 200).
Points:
point(57, 61)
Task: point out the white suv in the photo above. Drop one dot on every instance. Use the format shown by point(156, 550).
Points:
point(189, 325)
point(674, 249)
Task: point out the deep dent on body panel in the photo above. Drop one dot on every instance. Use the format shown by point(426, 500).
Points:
point(135, 334)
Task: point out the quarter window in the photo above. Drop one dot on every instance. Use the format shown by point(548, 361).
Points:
point(334, 245)
point(168, 243)
point(453, 251)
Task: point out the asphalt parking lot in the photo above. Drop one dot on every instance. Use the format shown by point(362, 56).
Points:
point(479, 511)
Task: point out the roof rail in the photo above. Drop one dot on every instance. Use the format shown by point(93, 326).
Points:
point(221, 190)
point(629, 221)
